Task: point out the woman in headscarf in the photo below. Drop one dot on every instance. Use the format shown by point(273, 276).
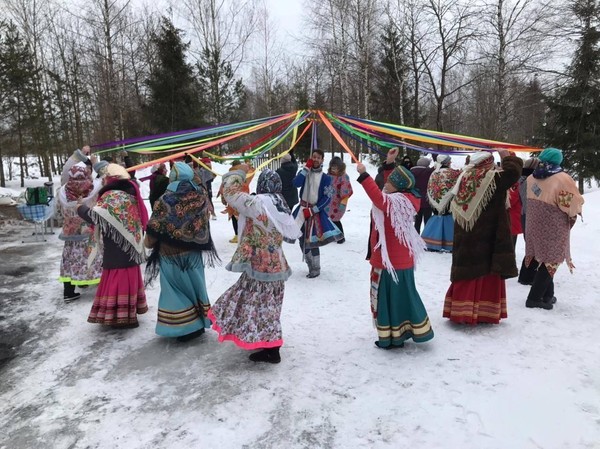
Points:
point(439, 230)
point(248, 313)
point(398, 312)
point(179, 234)
point(483, 255)
point(526, 273)
point(553, 204)
point(77, 233)
point(342, 191)
point(120, 216)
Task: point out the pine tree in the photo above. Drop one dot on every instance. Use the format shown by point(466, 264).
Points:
point(17, 78)
point(223, 95)
point(391, 95)
point(174, 99)
point(574, 111)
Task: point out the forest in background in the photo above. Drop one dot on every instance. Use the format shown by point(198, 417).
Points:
point(87, 72)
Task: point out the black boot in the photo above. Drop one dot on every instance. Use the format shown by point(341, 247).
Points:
point(69, 292)
point(191, 336)
point(543, 286)
point(527, 274)
point(269, 355)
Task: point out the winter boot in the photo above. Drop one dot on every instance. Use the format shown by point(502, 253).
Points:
point(270, 355)
point(538, 303)
point(69, 292)
point(550, 299)
point(316, 269)
point(308, 258)
point(234, 239)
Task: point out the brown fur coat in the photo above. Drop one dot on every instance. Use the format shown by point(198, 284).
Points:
point(488, 248)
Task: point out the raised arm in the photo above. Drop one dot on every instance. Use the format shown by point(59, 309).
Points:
point(233, 194)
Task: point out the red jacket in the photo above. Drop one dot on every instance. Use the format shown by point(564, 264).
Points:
point(398, 253)
point(515, 210)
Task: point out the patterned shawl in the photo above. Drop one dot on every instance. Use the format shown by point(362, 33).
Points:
point(181, 220)
point(401, 212)
point(117, 215)
point(268, 191)
point(546, 169)
point(439, 187)
point(80, 188)
point(474, 189)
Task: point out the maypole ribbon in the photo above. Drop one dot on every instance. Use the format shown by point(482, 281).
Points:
point(335, 134)
point(209, 145)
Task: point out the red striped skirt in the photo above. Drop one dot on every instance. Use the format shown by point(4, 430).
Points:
point(480, 300)
point(119, 298)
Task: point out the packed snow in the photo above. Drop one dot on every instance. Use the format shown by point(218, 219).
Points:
point(533, 381)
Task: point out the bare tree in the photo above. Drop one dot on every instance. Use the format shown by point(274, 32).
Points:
point(520, 41)
point(445, 47)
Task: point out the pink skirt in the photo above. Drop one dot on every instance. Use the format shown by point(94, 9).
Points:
point(119, 298)
point(480, 300)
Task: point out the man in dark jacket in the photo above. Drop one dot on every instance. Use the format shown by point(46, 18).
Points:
point(287, 172)
point(422, 172)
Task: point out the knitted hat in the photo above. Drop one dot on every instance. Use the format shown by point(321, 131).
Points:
point(423, 162)
point(402, 179)
point(531, 163)
point(116, 171)
point(286, 158)
point(551, 155)
point(100, 166)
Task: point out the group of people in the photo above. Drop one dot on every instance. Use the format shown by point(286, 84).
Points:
point(107, 229)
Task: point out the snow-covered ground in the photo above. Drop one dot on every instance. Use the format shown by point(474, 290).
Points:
point(532, 381)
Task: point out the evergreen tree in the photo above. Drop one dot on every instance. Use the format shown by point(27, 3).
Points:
point(17, 82)
point(174, 97)
point(223, 95)
point(391, 96)
point(574, 111)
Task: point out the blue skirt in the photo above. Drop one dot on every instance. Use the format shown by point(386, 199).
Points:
point(183, 303)
point(439, 233)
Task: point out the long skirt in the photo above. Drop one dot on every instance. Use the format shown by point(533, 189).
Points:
point(480, 300)
point(74, 264)
point(249, 312)
point(183, 302)
point(398, 312)
point(119, 298)
point(439, 233)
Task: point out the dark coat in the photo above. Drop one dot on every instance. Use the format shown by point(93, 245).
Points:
point(422, 175)
point(488, 248)
point(287, 173)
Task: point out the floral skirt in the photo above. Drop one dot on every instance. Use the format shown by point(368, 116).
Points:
point(74, 267)
point(119, 298)
point(183, 302)
point(480, 300)
point(248, 313)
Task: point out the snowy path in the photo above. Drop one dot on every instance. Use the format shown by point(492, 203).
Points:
point(531, 382)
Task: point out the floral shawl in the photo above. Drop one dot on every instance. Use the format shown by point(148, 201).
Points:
point(180, 220)
point(439, 188)
point(117, 215)
point(80, 188)
point(474, 189)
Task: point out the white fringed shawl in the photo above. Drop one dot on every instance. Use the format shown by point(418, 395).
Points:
point(401, 213)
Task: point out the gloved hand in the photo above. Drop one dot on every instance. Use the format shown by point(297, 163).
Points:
point(307, 213)
point(309, 164)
